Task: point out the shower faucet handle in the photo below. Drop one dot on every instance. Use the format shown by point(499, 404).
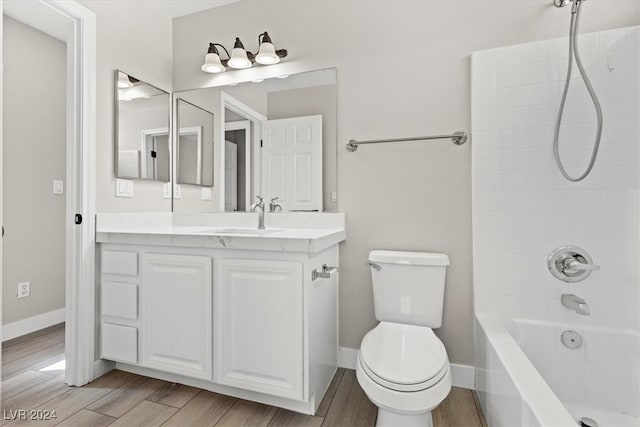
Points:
point(570, 264)
point(574, 264)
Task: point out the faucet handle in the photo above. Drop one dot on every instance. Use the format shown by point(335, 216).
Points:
point(260, 198)
point(574, 264)
point(273, 199)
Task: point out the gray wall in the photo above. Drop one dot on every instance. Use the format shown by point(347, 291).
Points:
point(308, 102)
point(414, 195)
point(130, 37)
point(34, 139)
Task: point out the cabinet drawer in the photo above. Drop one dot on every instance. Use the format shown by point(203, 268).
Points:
point(120, 262)
point(119, 300)
point(119, 343)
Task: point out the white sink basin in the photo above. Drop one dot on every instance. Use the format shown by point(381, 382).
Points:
point(244, 231)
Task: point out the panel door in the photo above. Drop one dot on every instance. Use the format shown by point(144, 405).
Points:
point(292, 162)
point(259, 329)
point(176, 328)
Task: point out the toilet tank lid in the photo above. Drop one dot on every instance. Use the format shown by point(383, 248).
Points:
point(409, 258)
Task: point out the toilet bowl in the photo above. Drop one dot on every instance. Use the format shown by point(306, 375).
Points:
point(402, 366)
point(404, 371)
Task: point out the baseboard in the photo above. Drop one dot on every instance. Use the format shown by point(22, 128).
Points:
point(347, 357)
point(101, 367)
point(32, 324)
point(461, 375)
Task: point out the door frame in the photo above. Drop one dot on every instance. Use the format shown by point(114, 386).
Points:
point(244, 125)
point(60, 17)
point(257, 119)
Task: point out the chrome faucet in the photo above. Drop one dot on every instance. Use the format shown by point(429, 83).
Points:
point(575, 303)
point(274, 207)
point(260, 205)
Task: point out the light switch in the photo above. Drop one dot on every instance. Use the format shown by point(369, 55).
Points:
point(334, 196)
point(207, 193)
point(124, 188)
point(58, 187)
point(166, 190)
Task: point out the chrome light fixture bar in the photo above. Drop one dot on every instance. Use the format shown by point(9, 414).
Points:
point(240, 58)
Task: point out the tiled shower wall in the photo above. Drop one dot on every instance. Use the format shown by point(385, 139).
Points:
point(523, 208)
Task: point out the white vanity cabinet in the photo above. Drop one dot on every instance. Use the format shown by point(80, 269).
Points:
point(175, 327)
point(251, 323)
point(258, 307)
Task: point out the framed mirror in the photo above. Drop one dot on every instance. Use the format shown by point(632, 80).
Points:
point(274, 138)
point(141, 130)
point(194, 144)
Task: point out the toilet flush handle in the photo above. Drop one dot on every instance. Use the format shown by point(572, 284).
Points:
point(375, 266)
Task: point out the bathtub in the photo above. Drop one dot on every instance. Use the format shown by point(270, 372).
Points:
point(520, 380)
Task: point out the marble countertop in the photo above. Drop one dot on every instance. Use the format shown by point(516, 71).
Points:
point(218, 232)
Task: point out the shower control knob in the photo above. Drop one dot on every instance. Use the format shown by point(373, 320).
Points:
point(570, 264)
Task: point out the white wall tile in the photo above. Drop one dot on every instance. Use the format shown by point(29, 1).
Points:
point(507, 77)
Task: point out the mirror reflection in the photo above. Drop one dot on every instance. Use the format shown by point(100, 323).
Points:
point(141, 132)
point(194, 153)
point(274, 138)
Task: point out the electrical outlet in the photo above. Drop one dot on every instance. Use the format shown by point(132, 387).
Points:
point(24, 289)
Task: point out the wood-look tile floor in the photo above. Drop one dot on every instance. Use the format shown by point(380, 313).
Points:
point(33, 378)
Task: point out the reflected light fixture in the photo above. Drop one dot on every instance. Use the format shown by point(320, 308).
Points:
point(124, 81)
point(241, 58)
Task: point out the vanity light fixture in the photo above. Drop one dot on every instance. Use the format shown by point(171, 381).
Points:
point(267, 53)
point(212, 62)
point(241, 58)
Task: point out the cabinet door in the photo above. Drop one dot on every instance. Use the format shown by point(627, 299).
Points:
point(259, 342)
point(176, 327)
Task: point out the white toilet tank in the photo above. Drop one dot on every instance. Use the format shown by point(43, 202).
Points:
point(408, 287)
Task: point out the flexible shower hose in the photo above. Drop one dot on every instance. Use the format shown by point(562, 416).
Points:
point(573, 49)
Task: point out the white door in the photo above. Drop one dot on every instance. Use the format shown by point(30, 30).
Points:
point(230, 176)
point(175, 313)
point(258, 306)
point(292, 162)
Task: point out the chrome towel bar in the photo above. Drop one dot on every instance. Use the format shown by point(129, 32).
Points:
point(458, 138)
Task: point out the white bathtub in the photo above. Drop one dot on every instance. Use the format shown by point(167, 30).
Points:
point(519, 379)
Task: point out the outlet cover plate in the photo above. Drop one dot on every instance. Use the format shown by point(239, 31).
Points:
point(24, 289)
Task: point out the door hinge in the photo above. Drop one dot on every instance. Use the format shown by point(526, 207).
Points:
point(260, 143)
point(154, 154)
point(78, 219)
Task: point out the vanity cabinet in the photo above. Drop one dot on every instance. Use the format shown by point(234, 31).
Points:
point(252, 324)
point(176, 327)
point(258, 307)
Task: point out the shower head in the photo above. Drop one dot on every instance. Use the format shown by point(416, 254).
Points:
point(561, 3)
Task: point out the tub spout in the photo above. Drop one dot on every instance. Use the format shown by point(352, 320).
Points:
point(576, 304)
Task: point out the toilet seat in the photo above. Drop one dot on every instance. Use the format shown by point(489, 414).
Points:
point(402, 357)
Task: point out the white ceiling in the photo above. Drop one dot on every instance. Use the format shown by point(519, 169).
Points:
point(27, 11)
point(163, 9)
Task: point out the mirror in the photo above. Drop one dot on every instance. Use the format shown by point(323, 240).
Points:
point(194, 151)
point(141, 121)
point(274, 138)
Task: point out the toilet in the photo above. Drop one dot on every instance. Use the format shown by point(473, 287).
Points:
point(402, 366)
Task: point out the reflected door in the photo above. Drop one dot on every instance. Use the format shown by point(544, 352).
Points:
point(231, 176)
point(292, 162)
